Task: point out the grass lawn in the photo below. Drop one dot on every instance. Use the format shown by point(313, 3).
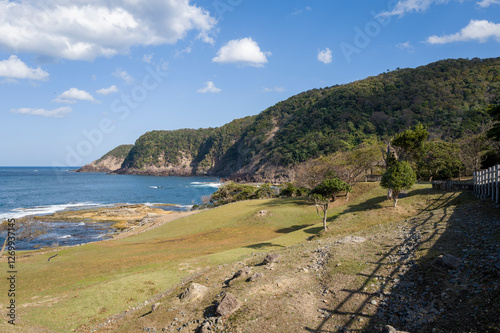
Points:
point(89, 283)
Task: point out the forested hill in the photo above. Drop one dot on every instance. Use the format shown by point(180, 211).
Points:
point(447, 96)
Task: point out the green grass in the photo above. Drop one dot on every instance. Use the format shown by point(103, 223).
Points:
point(89, 283)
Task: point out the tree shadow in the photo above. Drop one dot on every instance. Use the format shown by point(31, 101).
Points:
point(262, 245)
point(293, 228)
point(314, 231)
point(411, 293)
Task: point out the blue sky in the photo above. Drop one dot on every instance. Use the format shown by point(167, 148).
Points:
point(78, 78)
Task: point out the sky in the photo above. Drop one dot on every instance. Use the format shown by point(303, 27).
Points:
point(78, 78)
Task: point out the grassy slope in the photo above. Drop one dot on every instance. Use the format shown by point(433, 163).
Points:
point(89, 283)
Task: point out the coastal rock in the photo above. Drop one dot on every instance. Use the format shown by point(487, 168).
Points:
point(271, 258)
point(241, 274)
point(193, 292)
point(446, 261)
point(228, 305)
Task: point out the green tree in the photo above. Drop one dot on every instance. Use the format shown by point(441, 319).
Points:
point(232, 192)
point(326, 192)
point(264, 191)
point(410, 143)
point(494, 132)
point(397, 178)
point(440, 161)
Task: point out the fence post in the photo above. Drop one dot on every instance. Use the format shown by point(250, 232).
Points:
point(497, 181)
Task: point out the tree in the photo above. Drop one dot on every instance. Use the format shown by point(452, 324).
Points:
point(21, 229)
point(264, 191)
point(494, 132)
point(312, 172)
point(325, 192)
point(439, 161)
point(472, 150)
point(351, 164)
point(398, 177)
point(410, 143)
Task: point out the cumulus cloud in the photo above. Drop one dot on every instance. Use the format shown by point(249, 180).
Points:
point(487, 3)
point(56, 113)
point(122, 74)
point(480, 30)
point(275, 89)
point(243, 51)
point(325, 56)
point(410, 6)
point(108, 91)
point(86, 29)
point(74, 95)
point(14, 68)
point(209, 88)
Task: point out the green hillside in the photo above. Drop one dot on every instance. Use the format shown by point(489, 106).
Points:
point(448, 97)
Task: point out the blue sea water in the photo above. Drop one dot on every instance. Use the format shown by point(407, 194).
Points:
point(28, 191)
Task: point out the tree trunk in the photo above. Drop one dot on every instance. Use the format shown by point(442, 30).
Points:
point(3, 247)
point(389, 194)
point(324, 219)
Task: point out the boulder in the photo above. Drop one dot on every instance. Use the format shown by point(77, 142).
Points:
point(155, 307)
point(390, 329)
point(227, 305)
point(446, 261)
point(271, 258)
point(255, 277)
point(243, 273)
point(193, 292)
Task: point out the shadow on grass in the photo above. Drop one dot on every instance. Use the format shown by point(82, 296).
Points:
point(293, 228)
point(412, 292)
point(262, 245)
point(314, 231)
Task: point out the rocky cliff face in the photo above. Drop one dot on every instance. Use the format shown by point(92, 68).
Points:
point(108, 164)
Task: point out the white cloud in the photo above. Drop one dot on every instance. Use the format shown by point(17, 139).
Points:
point(325, 56)
point(480, 30)
point(107, 91)
point(275, 89)
point(410, 6)
point(487, 3)
point(122, 74)
point(406, 46)
point(300, 11)
point(14, 68)
point(244, 51)
point(74, 95)
point(56, 113)
point(147, 58)
point(209, 88)
point(86, 29)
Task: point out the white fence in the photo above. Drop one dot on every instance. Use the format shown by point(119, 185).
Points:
point(487, 183)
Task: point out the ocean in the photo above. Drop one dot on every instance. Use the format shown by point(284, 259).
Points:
point(28, 191)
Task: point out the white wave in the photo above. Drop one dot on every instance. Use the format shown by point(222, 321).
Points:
point(81, 223)
point(206, 184)
point(45, 210)
point(153, 187)
point(99, 236)
point(64, 237)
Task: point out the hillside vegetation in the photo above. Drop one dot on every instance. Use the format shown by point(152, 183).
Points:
point(448, 97)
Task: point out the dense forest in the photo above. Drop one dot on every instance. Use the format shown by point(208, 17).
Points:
point(449, 97)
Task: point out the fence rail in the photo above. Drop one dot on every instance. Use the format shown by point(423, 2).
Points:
point(487, 183)
point(452, 186)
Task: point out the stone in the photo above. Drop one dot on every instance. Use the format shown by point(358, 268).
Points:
point(255, 277)
point(271, 258)
point(155, 307)
point(206, 327)
point(228, 305)
point(352, 239)
point(390, 329)
point(446, 261)
point(244, 272)
point(263, 212)
point(193, 292)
